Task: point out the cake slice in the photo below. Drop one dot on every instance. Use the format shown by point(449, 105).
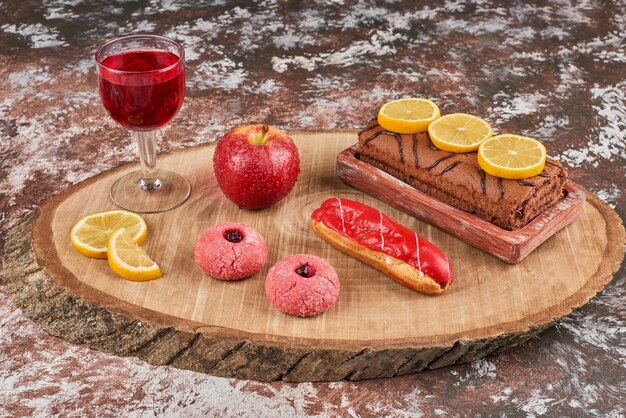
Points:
point(458, 180)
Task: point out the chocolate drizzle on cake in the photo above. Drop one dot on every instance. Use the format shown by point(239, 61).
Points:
point(415, 150)
point(436, 163)
point(450, 167)
point(368, 128)
point(399, 140)
point(544, 175)
point(396, 135)
point(375, 135)
point(526, 183)
point(483, 180)
point(500, 187)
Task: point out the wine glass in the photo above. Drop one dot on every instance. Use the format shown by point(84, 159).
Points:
point(142, 86)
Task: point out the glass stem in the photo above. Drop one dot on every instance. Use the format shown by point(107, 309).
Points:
point(146, 143)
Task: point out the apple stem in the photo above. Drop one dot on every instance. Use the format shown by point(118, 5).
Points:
point(264, 131)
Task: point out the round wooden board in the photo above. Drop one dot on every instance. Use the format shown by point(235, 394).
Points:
point(377, 328)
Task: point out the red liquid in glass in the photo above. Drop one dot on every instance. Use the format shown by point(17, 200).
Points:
point(148, 93)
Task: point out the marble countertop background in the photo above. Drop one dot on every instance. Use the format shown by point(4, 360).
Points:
point(554, 70)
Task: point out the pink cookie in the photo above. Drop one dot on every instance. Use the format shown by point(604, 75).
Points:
point(302, 285)
point(231, 251)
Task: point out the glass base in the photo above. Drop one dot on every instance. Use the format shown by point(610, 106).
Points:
point(168, 192)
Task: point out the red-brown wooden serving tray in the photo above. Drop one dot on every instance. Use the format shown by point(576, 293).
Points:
point(509, 246)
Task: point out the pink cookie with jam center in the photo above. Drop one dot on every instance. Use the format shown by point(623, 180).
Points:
point(302, 285)
point(231, 251)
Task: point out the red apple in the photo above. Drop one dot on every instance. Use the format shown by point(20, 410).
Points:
point(256, 165)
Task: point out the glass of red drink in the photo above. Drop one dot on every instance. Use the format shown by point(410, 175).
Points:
point(142, 87)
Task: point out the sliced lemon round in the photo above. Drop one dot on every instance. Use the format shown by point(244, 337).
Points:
point(90, 234)
point(459, 132)
point(512, 156)
point(128, 259)
point(408, 116)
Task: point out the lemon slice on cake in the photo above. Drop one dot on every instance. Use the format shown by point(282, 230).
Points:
point(512, 156)
point(459, 132)
point(128, 259)
point(408, 116)
point(90, 234)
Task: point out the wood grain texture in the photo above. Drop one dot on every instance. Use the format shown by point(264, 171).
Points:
point(508, 246)
point(377, 328)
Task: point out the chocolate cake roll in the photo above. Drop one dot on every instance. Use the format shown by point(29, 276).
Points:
point(458, 180)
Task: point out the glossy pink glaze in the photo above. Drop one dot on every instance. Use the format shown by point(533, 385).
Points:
point(374, 230)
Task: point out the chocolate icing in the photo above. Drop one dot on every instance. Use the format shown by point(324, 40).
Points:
point(450, 167)
point(415, 150)
point(501, 187)
point(399, 140)
point(397, 137)
point(369, 127)
point(483, 180)
point(436, 163)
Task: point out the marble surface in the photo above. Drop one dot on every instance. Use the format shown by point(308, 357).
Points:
point(555, 70)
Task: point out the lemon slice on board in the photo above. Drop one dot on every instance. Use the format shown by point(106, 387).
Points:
point(408, 116)
point(459, 132)
point(512, 156)
point(129, 260)
point(90, 234)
